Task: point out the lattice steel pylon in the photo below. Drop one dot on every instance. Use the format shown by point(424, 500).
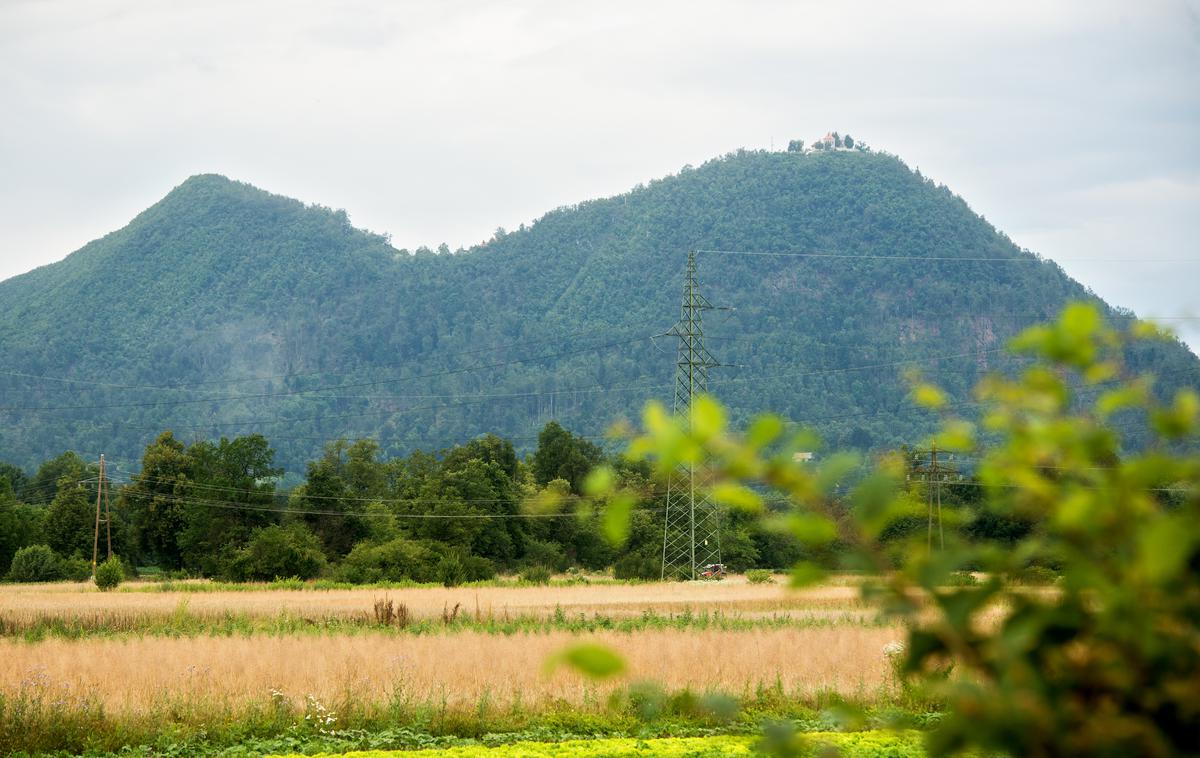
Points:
point(927, 468)
point(691, 533)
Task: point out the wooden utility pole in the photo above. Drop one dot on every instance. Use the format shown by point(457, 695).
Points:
point(101, 494)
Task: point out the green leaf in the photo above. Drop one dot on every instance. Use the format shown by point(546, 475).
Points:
point(1165, 546)
point(737, 496)
point(805, 574)
point(590, 659)
point(1119, 399)
point(957, 436)
point(599, 481)
point(546, 501)
point(929, 396)
point(836, 468)
point(708, 417)
point(1079, 320)
point(765, 430)
point(811, 529)
point(616, 518)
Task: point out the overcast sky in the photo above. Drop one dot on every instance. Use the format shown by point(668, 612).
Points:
point(1073, 126)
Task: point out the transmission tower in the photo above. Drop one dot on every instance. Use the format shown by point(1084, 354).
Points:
point(927, 468)
point(691, 533)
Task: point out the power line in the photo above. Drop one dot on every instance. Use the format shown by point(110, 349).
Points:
point(266, 377)
point(231, 505)
point(290, 393)
point(1019, 258)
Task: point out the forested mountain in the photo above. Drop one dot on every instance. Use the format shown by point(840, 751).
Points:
point(224, 310)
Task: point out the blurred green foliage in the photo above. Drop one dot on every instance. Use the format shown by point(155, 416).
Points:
point(1102, 661)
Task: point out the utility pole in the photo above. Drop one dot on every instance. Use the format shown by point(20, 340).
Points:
point(101, 494)
point(691, 529)
point(930, 470)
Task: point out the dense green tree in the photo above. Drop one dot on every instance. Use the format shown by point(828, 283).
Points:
point(331, 496)
point(18, 480)
point(278, 552)
point(489, 449)
point(70, 524)
point(157, 500)
point(44, 484)
point(233, 494)
point(20, 524)
point(563, 455)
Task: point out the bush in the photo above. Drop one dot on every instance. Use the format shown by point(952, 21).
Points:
point(536, 575)
point(109, 574)
point(544, 553)
point(478, 568)
point(961, 579)
point(645, 563)
point(760, 576)
point(35, 563)
point(1037, 576)
point(396, 560)
point(75, 569)
point(278, 552)
point(450, 570)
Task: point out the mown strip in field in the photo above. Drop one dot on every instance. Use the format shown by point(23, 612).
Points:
point(182, 623)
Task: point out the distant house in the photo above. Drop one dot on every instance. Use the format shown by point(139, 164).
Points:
point(802, 457)
point(833, 141)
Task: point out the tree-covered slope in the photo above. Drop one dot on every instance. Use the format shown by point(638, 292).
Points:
point(224, 310)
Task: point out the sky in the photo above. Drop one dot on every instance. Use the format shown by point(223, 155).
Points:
point(1074, 127)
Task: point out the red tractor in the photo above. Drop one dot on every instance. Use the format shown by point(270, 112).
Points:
point(713, 571)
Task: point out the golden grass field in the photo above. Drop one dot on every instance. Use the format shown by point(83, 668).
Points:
point(455, 666)
point(458, 669)
point(20, 604)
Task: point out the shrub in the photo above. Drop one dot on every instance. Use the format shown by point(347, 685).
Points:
point(109, 574)
point(278, 551)
point(450, 570)
point(961, 579)
point(1037, 576)
point(544, 553)
point(478, 568)
point(645, 563)
point(760, 576)
point(536, 575)
point(35, 563)
point(393, 561)
point(75, 569)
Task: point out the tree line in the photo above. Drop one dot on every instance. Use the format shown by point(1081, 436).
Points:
point(465, 513)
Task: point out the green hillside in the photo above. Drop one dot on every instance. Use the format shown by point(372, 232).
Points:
point(225, 310)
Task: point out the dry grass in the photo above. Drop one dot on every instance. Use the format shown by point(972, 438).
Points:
point(135, 675)
point(21, 605)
